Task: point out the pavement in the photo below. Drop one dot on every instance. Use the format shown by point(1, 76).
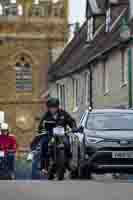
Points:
point(98, 189)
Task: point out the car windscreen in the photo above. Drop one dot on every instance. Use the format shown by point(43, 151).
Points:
point(110, 121)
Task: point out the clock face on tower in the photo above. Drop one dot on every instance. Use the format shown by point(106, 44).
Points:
point(24, 120)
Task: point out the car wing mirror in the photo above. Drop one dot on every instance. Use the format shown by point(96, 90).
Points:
point(81, 129)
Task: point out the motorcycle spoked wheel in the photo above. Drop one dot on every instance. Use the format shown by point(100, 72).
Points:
point(60, 171)
point(51, 170)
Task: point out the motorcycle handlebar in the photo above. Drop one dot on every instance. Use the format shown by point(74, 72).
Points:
point(75, 130)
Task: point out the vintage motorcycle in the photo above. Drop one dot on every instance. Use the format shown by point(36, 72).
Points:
point(57, 154)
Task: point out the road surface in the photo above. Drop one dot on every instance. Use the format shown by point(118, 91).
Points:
point(66, 190)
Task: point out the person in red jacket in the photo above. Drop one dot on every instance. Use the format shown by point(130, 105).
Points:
point(8, 144)
point(7, 140)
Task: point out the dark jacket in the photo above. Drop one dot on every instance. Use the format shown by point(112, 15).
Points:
point(64, 119)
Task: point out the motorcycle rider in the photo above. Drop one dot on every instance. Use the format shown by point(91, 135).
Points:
point(55, 116)
point(8, 143)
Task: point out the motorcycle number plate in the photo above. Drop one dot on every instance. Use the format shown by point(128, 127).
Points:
point(59, 131)
point(2, 154)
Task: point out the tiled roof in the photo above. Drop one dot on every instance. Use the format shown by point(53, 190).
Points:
point(79, 54)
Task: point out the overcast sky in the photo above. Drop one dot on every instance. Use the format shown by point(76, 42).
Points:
point(76, 10)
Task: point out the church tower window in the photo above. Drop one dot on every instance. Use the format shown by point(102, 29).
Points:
point(23, 75)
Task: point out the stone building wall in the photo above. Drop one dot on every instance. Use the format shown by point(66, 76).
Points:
point(31, 38)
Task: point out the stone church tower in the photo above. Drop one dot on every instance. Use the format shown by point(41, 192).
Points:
point(32, 32)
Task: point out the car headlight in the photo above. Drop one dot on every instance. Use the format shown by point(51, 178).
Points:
point(93, 140)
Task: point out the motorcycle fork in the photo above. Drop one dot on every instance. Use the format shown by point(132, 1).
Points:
point(59, 145)
point(58, 141)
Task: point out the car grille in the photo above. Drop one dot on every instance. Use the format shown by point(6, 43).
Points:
point(122, 148)
point(104, 156)
point(109, 161)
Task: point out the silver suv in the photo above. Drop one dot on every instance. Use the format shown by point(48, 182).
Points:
point(106, 144)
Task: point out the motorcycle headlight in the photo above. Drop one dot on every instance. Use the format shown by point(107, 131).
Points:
point(93, 140)
point(30, 156)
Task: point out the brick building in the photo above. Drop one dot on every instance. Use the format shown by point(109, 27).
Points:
point(29, 31)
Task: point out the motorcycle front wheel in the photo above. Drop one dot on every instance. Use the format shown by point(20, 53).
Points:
point(51, 170)
point(61, 165)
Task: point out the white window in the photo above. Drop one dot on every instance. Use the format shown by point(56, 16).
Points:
point(36, 2)
point(108, 20)
point(20, 10)
point(61, 94)
point(124, 67)
point(13, 1)
point(90, 29)
point(87, 90)
point(105, 77)
point(75, 93)
point(1, 9)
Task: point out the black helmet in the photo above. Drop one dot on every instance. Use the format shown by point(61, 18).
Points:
point(53, 102)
